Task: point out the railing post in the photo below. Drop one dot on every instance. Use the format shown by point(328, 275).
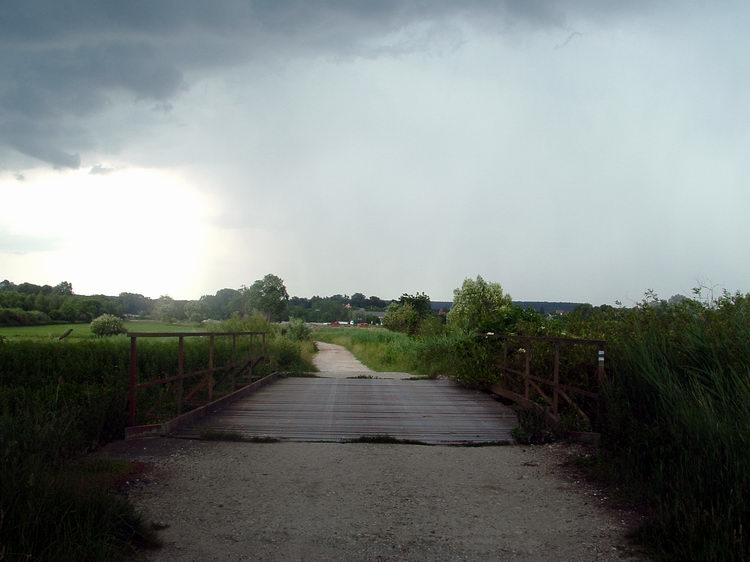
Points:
point(234, 361)
point(180, 373)
point(556, 379)
point(527, 372)
point(250, 356)
point(132, 380)
point(211, 380)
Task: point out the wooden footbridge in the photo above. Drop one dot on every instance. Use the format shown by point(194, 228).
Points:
point(341, 405)
point(328, 409)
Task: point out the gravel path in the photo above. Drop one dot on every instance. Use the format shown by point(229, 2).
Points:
point(323, 501)
point(335, 361)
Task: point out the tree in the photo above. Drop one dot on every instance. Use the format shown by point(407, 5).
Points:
point(165, 309)
point(420, 302)
point(64, 288)
point(135, 303)
point(376, 303)
point(479, 306)
point(195, 311)
point(269, 297)
point(228, 301)
point(402, 318)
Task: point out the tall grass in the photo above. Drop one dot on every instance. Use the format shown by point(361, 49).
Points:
point(59, 399)
point(678, 427)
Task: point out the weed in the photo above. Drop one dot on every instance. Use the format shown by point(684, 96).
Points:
point(213, 435)
point(504, 443)
point(384, 439)
point(533, 428)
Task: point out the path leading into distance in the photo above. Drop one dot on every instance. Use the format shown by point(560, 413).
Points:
point(336, 362)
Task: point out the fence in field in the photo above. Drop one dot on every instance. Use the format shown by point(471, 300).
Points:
point(238, 370)
point(571, 384)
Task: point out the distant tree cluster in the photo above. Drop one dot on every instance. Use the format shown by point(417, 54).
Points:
point(356, 307)
point(26, 304)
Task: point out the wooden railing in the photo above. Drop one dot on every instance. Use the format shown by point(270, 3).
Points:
point(234, 368)
point(552, 393)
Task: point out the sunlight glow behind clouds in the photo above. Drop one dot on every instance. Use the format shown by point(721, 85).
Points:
point(136, 230)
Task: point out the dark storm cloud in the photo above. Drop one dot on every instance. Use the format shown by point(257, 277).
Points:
point(64, 62)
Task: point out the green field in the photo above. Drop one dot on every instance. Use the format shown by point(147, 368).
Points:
point(83, 331)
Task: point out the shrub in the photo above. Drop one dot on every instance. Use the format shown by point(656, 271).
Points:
point(247, 323)
point(290, 356)
point(107, 325)
point(297, 330)
point(431, 326)
point(18, 317)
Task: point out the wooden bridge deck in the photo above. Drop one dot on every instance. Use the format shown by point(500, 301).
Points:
point(320, 409)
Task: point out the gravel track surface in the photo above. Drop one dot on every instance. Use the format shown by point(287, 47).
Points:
point(325, 501)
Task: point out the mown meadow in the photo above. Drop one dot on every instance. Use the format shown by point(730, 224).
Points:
point(60, 399)
point(83, 330)
point(675, 430)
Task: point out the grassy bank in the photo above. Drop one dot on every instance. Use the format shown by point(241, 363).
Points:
point(59, 399)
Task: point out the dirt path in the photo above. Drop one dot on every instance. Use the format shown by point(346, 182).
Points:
point(323, 501)
point(335, 361)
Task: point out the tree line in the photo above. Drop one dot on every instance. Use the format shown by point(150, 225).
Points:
point(28, 303)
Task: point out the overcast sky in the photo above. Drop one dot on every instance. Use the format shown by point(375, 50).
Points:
point(570, 150)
